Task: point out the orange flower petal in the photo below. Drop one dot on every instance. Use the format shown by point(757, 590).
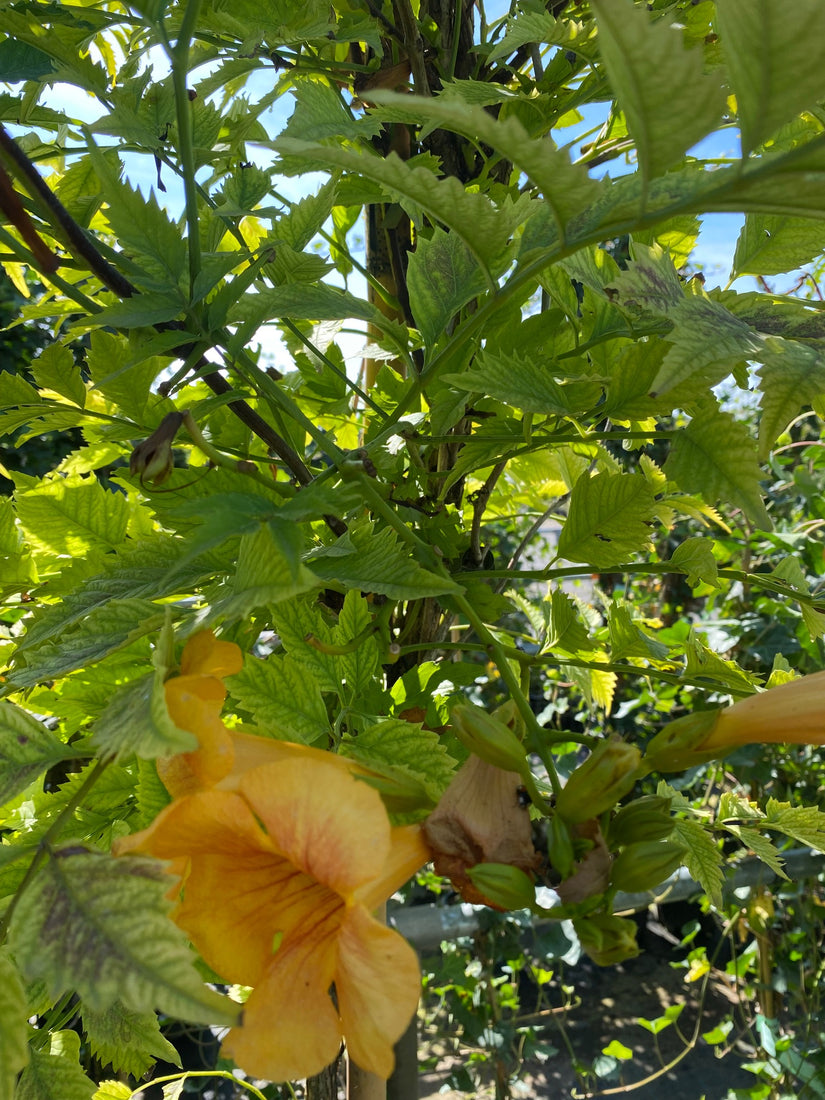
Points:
point(378, 983)
point(194, 704)
point(322, 820)
point(204, 655)
point(408, 852)
point(252, 751)
point(290, 1027)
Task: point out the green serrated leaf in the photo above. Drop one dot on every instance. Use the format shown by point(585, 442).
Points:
point(55, 369)
point(14, 1051)
point(565, 630)
point(293, 621)
point(645, 62)
point(703, 662)
point(702, 857)
point(442, 277)
point(104, 630)
point(55, 1072)
point(761, 847)
point(478, 222)
point(301, 302)
point(127, 1041)
point(136, 722)
point(358, 667)
point(27, 748)
point(99, 925)
point(375, 561)
point(269, 570)
point(715, 457)
point(567, 188)
point(804, 823)
point(608, 519)
point(792, 377)
point(72, 516)
point(283, 698)
point(694, 557)
point(406, 747)
point(627, 639)
point(140, 311)
point(770, 244)
point(775, 56)
point(528, 384)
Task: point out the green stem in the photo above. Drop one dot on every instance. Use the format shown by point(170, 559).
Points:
point(180, 66)
point(44, 847)
point(22, 255)
point(217, 458)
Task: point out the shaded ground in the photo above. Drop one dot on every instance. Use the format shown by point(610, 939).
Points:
point(608, 1002)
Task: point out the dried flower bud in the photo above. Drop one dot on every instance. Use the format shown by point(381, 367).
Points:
point(480, 820)
point(152, 459)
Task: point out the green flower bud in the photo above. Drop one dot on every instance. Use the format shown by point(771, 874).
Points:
point(607, 939)
point(605, 777)
point(505, 886)
point(645, 818)
point(645, 865)
point(489, 738)
point(679, 745)
point(560, 846)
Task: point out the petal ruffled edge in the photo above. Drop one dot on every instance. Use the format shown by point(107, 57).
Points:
point(378, 982)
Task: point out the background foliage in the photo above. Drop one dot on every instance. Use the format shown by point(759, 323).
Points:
point(546, 392)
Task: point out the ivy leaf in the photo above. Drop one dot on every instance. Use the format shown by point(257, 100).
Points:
point(55, 1072)
point(443, 276)
point(99, 926)
point(283, 698)
point(645, 62)
point(127, 1041)
point(608, 519)
point(775, 56)
point(27, 748)
point(14, 1051)
point(771, 244)
point(716, 457)
point(702, 857)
